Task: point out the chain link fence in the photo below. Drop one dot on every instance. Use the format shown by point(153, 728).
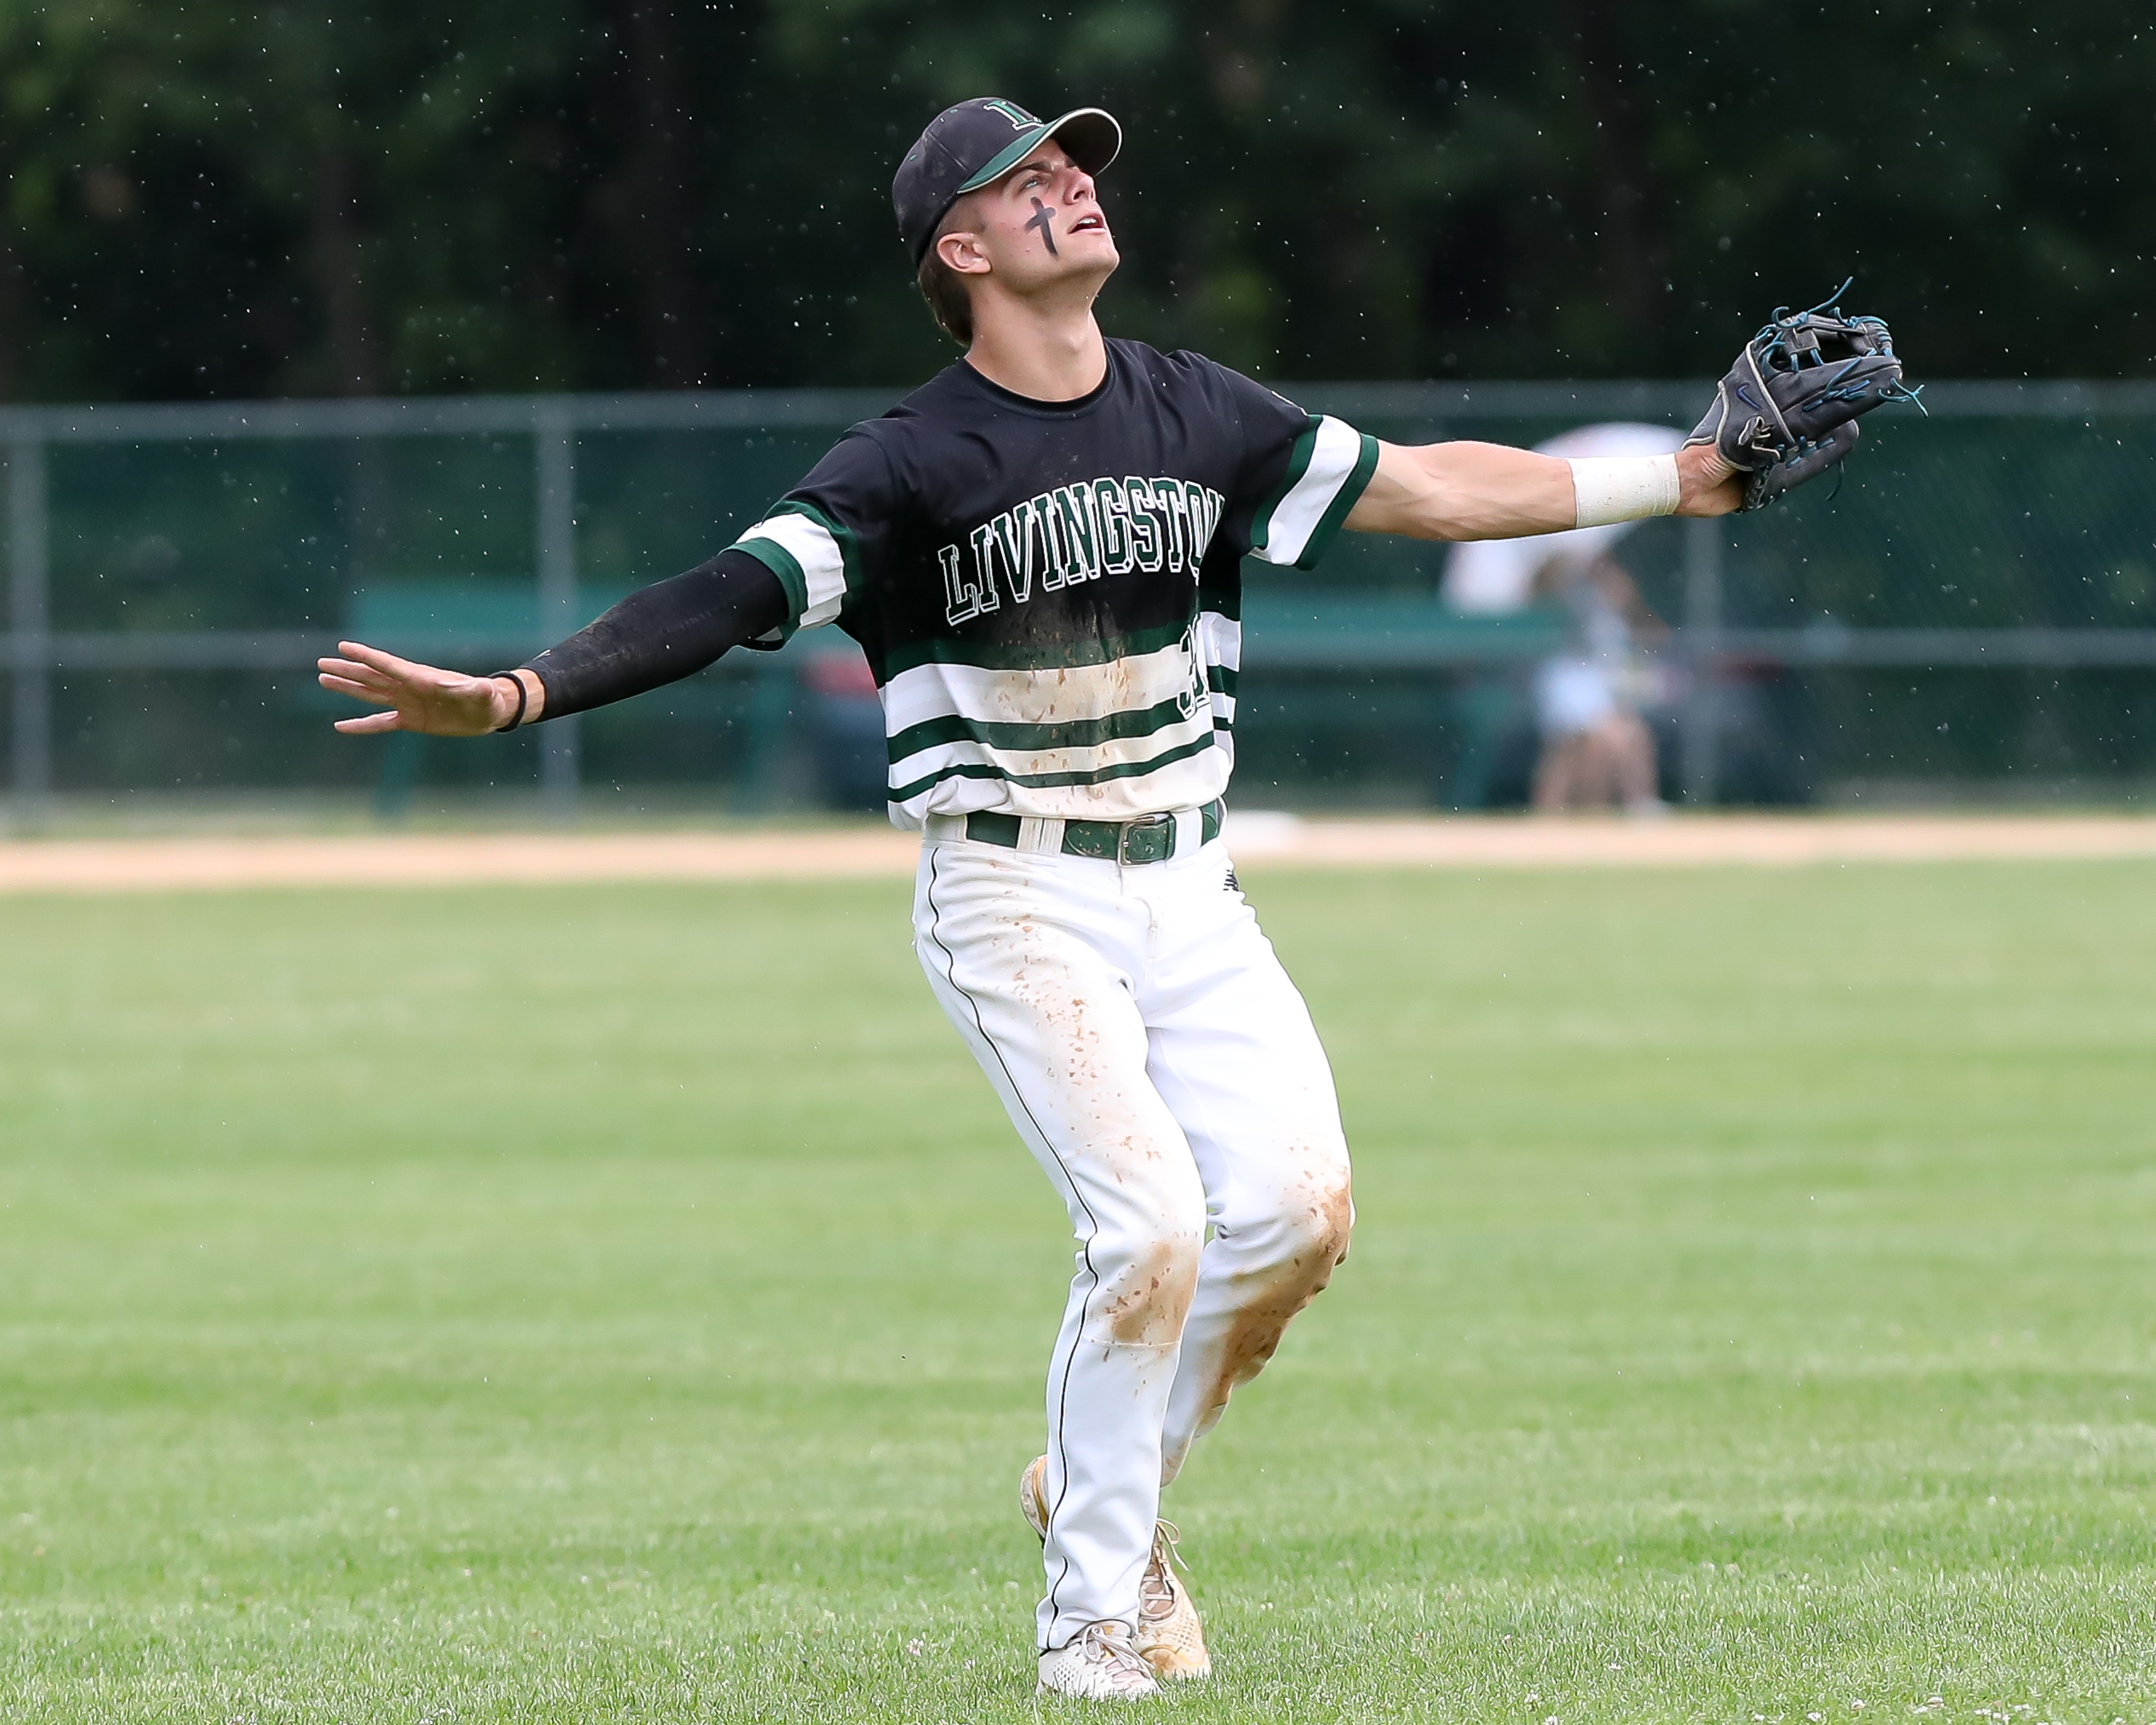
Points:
point(1971, 614)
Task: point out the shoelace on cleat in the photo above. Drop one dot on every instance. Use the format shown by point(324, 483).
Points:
point(1156, 1595)
point(1111, 1644)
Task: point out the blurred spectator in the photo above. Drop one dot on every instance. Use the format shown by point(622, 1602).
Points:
point(1596, 749)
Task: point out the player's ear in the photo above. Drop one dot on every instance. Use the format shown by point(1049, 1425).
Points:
point(962, 253)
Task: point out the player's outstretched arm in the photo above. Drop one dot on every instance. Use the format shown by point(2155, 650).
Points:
point(1470, 490)
point(657, 635)
point(426, 698)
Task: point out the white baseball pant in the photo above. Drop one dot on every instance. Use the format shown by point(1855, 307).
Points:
point(1164, 1072)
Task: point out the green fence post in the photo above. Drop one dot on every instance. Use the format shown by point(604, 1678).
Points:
point(1702, 766)
point(30, 623)
point(402, 752)
point(555, 474)
point(770, 712)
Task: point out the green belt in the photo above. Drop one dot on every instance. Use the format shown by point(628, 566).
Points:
point(1149, 840)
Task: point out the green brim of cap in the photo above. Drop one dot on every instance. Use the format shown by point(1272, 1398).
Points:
point(1090, 135)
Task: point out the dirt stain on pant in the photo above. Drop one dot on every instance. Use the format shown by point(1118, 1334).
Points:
point(1254, 1335)
point(1148, 1302)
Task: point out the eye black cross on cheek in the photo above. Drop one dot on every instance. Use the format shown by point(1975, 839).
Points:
point(1044, 219)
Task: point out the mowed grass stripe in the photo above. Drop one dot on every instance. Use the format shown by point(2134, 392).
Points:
point(629, 1302)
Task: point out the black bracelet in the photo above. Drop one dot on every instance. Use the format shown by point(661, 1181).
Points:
point(523, 700)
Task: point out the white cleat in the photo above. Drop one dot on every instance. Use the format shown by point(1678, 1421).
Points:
point(1170, 1638)
point(1100, 1663)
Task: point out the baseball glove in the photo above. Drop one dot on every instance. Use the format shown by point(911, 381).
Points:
point(1787, 410)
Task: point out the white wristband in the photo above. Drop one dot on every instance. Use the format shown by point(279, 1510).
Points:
point(1607, 489)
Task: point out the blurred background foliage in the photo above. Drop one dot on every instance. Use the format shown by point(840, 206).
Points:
point(210, 200)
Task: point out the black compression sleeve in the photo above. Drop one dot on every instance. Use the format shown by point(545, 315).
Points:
point(661, 634)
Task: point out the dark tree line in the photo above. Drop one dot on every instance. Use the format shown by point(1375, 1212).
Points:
point(218, 200)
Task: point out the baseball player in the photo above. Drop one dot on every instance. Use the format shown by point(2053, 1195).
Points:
point(1038, 551)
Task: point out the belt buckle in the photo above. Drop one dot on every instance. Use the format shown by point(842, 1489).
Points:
point(1155, 835)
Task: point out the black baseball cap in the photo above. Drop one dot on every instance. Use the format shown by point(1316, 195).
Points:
point(966, 146)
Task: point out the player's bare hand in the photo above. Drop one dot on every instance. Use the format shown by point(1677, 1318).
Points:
point(423, 698)
point(1707, 485)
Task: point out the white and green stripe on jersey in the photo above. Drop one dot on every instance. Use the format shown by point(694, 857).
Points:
point(1331, 465)
point(812, 555)
point(1104, 738)
point(1085, 726)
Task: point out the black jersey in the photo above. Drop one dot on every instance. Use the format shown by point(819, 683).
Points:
point(1048, 593)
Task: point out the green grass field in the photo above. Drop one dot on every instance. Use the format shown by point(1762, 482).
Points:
point(629, 1303)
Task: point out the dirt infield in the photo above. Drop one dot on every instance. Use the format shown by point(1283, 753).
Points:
point(1265, 840)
